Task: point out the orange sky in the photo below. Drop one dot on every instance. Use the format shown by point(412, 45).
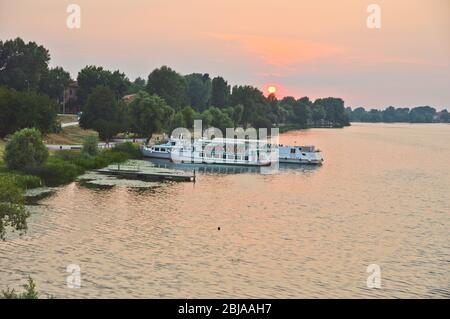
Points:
point(316, 48)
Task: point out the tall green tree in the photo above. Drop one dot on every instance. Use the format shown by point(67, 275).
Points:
point(101, 113)
point(254, 103)
point(22, 109)
point(220, 92)
point(54, 82)
point(149, 114)
point(199, 90)
point(22, 65)
point(169, 85)
point(92, 76)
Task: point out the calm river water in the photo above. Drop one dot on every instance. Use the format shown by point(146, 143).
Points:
point(382, 197)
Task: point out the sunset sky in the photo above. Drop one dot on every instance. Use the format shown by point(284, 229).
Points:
point(311, 48)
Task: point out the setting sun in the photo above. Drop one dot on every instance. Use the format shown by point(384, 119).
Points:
point(272, 89)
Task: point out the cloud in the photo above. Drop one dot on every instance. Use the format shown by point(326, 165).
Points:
point(278, 51)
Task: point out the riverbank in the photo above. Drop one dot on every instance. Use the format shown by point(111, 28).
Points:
point(63, 167)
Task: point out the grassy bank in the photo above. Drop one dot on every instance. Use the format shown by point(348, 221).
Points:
point(63, 167)
point(69, 135)
point(67, 118)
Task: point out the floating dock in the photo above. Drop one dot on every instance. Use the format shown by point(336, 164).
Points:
point(150, 173)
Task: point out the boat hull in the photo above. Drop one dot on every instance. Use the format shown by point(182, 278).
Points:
point(154, 154)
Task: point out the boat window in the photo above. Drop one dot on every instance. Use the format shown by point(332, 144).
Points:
point(292, 150)
point(246, 158)
point(157, 149)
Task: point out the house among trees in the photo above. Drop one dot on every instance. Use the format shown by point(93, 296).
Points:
point(128, 98)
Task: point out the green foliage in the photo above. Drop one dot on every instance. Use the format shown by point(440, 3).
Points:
point(19, 110)
point(137, 85)
point(131, 149)
point(169, 85)
point(101, 113)
point(421, 114)
point(90, 145)
point(65, 166)
point(91, 77)
point(149, 114)
point(22, 65)
point(25, 150)
point(28, 293)
point(12, 206)
point(188, 116)
point(220, 92)
point(199, 90)
point(57, 171)
point(54, 82)
point(22, 180)
point(178, 121)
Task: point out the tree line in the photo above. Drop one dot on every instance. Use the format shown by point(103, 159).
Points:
point(164, 100)
point(421, 114)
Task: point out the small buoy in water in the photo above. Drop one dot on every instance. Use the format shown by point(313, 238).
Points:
point(218, 228)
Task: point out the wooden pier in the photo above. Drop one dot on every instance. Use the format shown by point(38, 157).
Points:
point(152, 173)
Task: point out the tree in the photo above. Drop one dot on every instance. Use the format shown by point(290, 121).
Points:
point(318, 113)
point(238, 110)
point(220, 92)
point(149, 114)
point(334, 111)
point(22, 65)
point(254, 104)
point(178, 121)
point(199, 90)
point(302, 111)
point(90, 145)
point(12, 206)
point(92, 76)
point(169, 85)
point(25, 150)
point(54, 82)
point(137, 85)
point(21, 109)
point(422, 114)
point(101, 113)
point(188, 115)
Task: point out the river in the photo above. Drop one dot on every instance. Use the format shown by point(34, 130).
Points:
point(382, 197)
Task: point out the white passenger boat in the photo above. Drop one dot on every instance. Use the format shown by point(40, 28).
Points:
point(225, 151)
point(299, 155)
point(161, 150)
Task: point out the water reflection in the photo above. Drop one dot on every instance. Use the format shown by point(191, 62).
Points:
point(228, 169)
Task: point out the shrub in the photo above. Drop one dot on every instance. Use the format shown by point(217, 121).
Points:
point(57, 171)
point(29, 293)
point(90, 145)
point(22, 180)
point(129, 148)
point(25, 150)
